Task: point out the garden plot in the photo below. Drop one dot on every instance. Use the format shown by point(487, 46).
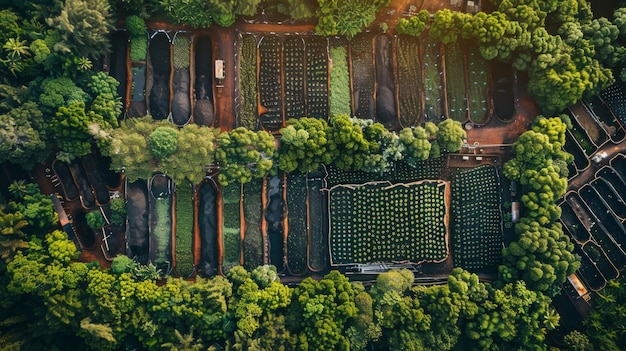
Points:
point(270, 83)
point(161, 223)
point(95, 178)
point(362, 55)
point(606, 118)
point(158, 83)
point(339, 78)
point(573, 224)
point(294, 77)
point(582, 137)
point(455, 82)
point(477, 229)
point(586, 123)
point(337, 176)
point(619, 164)
point(381, 222)
point(181, 83)
point(599, 259)
point(62, 170)
point(87, 197)
point(427, 169)
point(252, 209)
point(207, 222)
point(573, 147)
point(503, 91)
point(296, 223)
point(137, 229)
point(477, 86)
point(231, 237)
point(184, 229)
point(385, 84)
point(117, 64)
point(203, 111)
point(317, 77)
point(409, 90)
point(432, 82)
point(613, 198)
point(615, 98)
point(274, 219)
point(318, 227)
point(589, 271)
point(247, 113)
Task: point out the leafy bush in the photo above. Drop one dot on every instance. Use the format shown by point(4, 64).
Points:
point(95, 219)
point(163, 142)
point(138, 48)
point(118, 211)
point(136, 26)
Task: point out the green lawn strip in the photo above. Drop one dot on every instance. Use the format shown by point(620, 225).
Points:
point(184, 230)
point(231, 226)
point(297, 233)
point(455, 82)
point(378, 221)
point(252, 208)
point(433, 88)
point(247, 82)
point(339, 81)
point(477, 78)
point(409, 77)
point(162, 234)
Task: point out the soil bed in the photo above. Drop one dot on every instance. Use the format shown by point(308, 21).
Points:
point(362, 55)
point(270, 82)
point(385, 84)
point(619, 164)
point(571, 145)
point(207, 222)
point(161, 223)
point(252, 210)
point(86, 192)
point(297, 223)
point(597, 256)
point(85, 234)
point(583, 139)
point(181, 84)
point(62, 170)
point(613, 198)
point(503, 93)
point(583, 120)
point(161, 66)
point(117, 63)
point(409, 76)
point(573, 223)
point(138, 107)
point(203, 110)
point(274, 218)
point(294, 77)
point(589, 271)
point(477, 85)
point(137, 231)
point(96, 180)
point(606, 119)
point(318, 226)
point(317, 77)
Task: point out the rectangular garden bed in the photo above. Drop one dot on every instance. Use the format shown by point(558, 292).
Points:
point(294, 77)
point(296, 223)
point(270, 81)
point(184, 229)
point(253, 240)
point(384, 222)
point(455, 82)
point(477, 86)
point(318, 225)
point(231, 224)
point(409, 74)
point(317, 77)
point(362, 57)
point(433, 82)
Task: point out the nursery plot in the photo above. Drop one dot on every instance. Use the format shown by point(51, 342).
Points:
point(340, 100)
point(274, 219)
point(161, 223)
point(270, 83)
point(231, 239)
point(207, 222)
point(589, 271)
point(606, 118)
point(318, 226)
point(62, 170)
point(619, 164)
point(181, 84)
point(503, 92)
point(385, 84)
point(409, 90)
point(203, 111)
point(87, 198)
point(362, 55)
point(317, 77)
point(294, 77)
point(433, 83)
point(571, 145)
point(613, 198)
point(184, 229)
point(615, 98)
point(296, 223)
point(477, 230)
point(573, 223)
point(583, 121)
point(477, 85)
point(95, 178)
point(160, 67)
point(582, 137)
point(455, 82)
point(598, 257)
point(137, 231)
point(252, 209)
point(378, 221)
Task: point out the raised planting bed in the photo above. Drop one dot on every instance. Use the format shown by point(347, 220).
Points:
point(362, 61)
point(583, 139)
point(573, 224)
point(503, 90)
point(432, 80)
point(87, 198)
point(62, 171)
point(112, 178)
point(455, 82)
point(183, 263)
point(606, 118)
point(583, 121)
point(294, 77)
point(477, 218)
point(573, 147)
point(619, 164)
point(477, 73)
point(231, 224)
point(385, 84)
point(181, 84)
point(247, 99)
point(117, 64)
point(95, 178)
point(316, 77)
point(207, 223)
point(161, 223)
point(274, 218)
point(613, 198)
point(318, 225)
point(599, 232)
point(589, 271)
point(340, 100)
point(137, 229)
point(270, 83)
point(610, 175)
point(598, 257)
point(138, 107)
point(384, 222)
point(203, 110)
point(296, 223)
point(409, 78)
point(615, 97)
point(252, 211)
point(159, 69)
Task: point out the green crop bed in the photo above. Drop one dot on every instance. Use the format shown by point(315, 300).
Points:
point(455, 83)
point(247, 82)
point(252, 208)
point(162, 232)
point(433, 89)
point(477, 78)
point(231, 225)
point(184, 230)
point(380, 222)
point(409, 65)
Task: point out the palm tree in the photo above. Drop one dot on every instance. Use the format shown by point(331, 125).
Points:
point(551, 319)
point(16, 48)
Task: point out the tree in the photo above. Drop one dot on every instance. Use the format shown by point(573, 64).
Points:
point(414, 25)
point(84, 27)
point(163, 142)
point(20, 141)
point(95, 220)
point(303, 145)
point(346, 18)
point(416, 144)
point(347, 145)
point(604, 323)
point(577, 341)
point(70, 125)
point(243, 154)
point(446, 25)
point(450, 135)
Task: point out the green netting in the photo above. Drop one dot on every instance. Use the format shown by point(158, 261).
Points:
point(377, 221)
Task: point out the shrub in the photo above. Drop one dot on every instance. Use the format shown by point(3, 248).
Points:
point(163, 142)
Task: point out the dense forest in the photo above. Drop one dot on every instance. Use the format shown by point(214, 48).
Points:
point(58, 101)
